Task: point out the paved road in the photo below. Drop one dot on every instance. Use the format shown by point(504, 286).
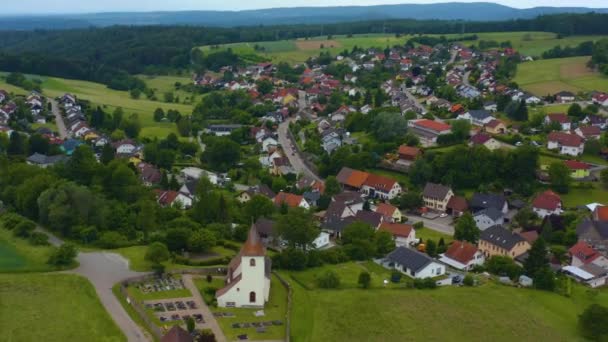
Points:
point(104, 270)
point(465, 78)
point(415, 100)
point(453, 57)
point(437, 224)
point(63, 132)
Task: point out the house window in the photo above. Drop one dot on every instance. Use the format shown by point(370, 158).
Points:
point(251, 297)
point(252, 262)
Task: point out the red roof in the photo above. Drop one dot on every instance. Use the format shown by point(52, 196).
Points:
point(566, 139)
point(494, 123)
point(461, 251)
point(480, 138)
point(601, 213)
point(548, 200)
point(408, 151)
point(433, 125)
point(290, 199)
point(457, 203)
point(577, 165)
point(378, 182)
point(589, 131)
point(386, 209)
point(397, 229)
point(584, 252)
point(166, 197)
point(559, 117)
point(529, 236)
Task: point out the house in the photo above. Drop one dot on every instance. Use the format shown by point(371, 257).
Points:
point(487, 218)
point(462, 255)
point(45, 161)
point(428, 130)
point(595, 233)
point(457, 206)
point(436, 196)
point(177, 334)
point(125, 147)
point(547, 203)
point(311, 197)
point(589, 274)
point(578, 170)
point(247, 283)
point(189, 187)
point(600, 213)
point(195, 173)
point(409, 153)
point(341, 211)
point(291, 200)
point(372, 218)
point(600, 99)
point(331, 142)
point(485, 140)
point(404, 234)
point(490, 106)
point(476, 117)
point(560, 118)
point(595, 120)
point(481, 201)
point(500, 241)
point(564, 97)
point(582, 254)
point(321, 241)
point(588, 132)
point(268, 143)
point(390, 212)
point(149, 174)
point(378, 186)
point(565, 143)
point(496, 126)
point(170, 198)
point(413, 263)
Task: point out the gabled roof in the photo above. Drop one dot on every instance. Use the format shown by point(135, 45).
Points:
point(488, 200)
point(601, 213)
point(372, 218)
point(432, 125)
point(494, 123)
point(379, 182)
point(461, 251)
point(290, 199)
point(548, 200)
point(409, 258)
point(480, 114)
point(529, 236)
point(409, 151)
point(491, 212)
point(558, 117)
point(577, 165)
point(599, 227)
point(433, 190)
point(397, 229)
point(590, 131)
point(565, 139)
point(480, 138)
point(501, 237)
point(350, 177)
point(584, 252)
point(177, 334)
point(386, 209)
point(458, 203)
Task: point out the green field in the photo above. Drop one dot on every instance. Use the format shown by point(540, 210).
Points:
point(275, 309)
point(17, 255)
point(577, 196)
point(110, 99)
point(487, 313)
point(427, 233)
point(53, 307)
point(550, 76)
point(163, 84)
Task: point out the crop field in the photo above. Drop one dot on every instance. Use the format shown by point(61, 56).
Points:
point(550, 76)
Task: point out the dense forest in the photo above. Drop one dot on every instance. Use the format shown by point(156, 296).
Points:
point(110, 55)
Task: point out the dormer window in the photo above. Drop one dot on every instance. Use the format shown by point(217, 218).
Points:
point(252, 262)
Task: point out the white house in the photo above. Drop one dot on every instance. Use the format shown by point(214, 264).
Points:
point(322, 240)
point(248, 279)
point(462, 255)
point(377, 186)
point(489, 217)
point(195, 173)
point(562, 119)
point(125, 147)
point(269, 142)
point(413, 263)
point(477, 117)
point(547, 203)
point(565, 143)
point(404, 234)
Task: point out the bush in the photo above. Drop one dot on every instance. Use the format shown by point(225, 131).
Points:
point(112, 240)
point(333, 256)
point(328, 280)
point(593, 322)
point(468, 280)
point(10, 221)
point(426, 283)
point(39, 239)
point(24, 229)
point(418, 225)
point(63, 256)
point(209, 278)
point(365, 279)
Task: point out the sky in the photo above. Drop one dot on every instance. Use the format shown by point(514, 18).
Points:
point(90, 6)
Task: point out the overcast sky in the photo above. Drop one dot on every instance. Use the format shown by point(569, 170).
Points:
point(80, 6)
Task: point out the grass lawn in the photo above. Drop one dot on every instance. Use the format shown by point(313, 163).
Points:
point(53, 307)
point(487, 313)
point(164, 84)
point(275, 309)
point(136, 256)
point(577, 196)
point(18, 255)
point(50, 125)
point(9, 87)
point(427, 233)
point(550, 76)
point(398, 176)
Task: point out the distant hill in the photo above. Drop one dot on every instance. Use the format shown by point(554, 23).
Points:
point(280, 16)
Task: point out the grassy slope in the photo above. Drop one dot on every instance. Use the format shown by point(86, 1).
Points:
point(53, 307)
point(490, 312)
point(17, 255)
point(551, 75)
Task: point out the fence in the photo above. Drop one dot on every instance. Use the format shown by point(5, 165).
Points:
point(289, 301)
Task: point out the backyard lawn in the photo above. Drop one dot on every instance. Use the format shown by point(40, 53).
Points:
point(275, 309)
point(577, 196)
point(427, 233)
point(487, 313)
point(53, 307)
point(18, 255)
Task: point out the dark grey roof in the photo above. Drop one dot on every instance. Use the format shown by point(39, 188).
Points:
point(501, 237)
point(517, 203)
point(349, 197)
point(491, 212)
point(437, 191)
point(191, 186)
point(337, 225)
point(484, 201)
point(264, 226)
point(372, 218)
point(480, 114)
point(41, 159)
point(409, 258)
point(311, 196)
point(588, 225)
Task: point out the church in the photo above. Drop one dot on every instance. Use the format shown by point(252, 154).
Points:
point(248, 279)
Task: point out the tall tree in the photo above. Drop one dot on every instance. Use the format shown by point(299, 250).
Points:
point(297, 228)
point(146, 218)
point(107, 154)
point(538, 258)
point(559, 174)
point(466, 229)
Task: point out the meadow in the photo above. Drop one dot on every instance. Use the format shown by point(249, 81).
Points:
point(53, 307)
point(550, 76)
point(109, 99)
point(18, 255)
point(486, 313)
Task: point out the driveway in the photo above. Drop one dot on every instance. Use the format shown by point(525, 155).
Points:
point(440, 224)
point(104, 270)
point(62, 130)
